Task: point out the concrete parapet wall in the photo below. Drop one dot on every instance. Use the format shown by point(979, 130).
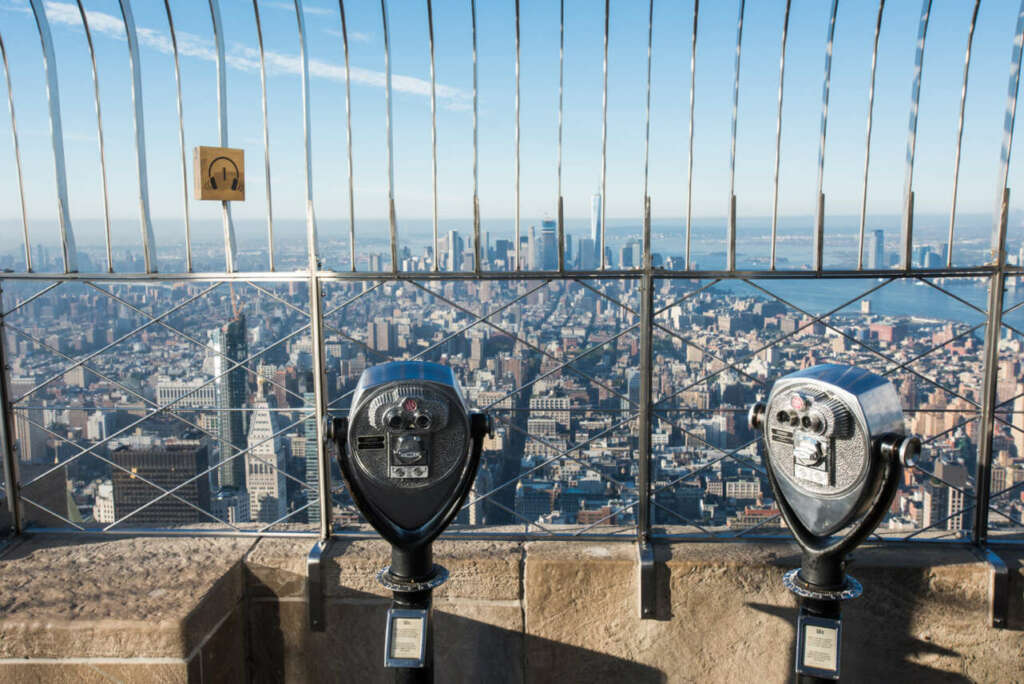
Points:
point(213, 610)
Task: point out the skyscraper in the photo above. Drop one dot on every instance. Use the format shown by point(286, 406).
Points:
point(454, 251)
point(595, 226)
point(533, 255)
point(876, 250)
point(312, 458)
point(167, 463)
point(231, 347)
point(265, 465)
point(586, 254)
point(548, 245)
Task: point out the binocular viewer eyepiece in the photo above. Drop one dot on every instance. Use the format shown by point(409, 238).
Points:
point(409, 449)
point(835, 442)
point(830, 432)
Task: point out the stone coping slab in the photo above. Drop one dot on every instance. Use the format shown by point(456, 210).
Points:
point(125, 597)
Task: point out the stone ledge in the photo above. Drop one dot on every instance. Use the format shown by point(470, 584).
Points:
point(77, 608)
point(88, 608)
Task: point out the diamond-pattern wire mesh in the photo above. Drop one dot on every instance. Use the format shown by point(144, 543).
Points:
point(163, 406)
point(701, 452)
point(1006, 499)
point(562, 458)
point(707, 449)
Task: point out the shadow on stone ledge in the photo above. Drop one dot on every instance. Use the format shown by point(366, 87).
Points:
point(468, 647)
point(879, 643)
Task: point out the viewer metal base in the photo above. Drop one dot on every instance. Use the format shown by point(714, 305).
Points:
point(851, 588)
point(438, 576)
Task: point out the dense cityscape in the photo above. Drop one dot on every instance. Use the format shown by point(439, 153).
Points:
point(193, 400)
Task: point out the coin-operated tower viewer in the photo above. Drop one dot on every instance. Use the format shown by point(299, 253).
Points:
point(409, 452)
point(834, 442)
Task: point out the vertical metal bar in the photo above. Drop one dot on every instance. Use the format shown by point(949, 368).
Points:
point(960, 134)
point(476, 154)
point(316, 320)
point(995, 299)
point(907, 234)
point(646, 201)
point(778, 135)
point(515, 179)
point(689, 158)
point(69, 251)
point(644, 426)
point(99, 135)
point(433, 129)
point(561, 107)
point(731, 233)
point(997, 285)
point(604, 136)
point(266, 134)
point(1009, 119)
point(348, 140)
point(867, 144)
point(819, 223)
point(138, 124)
point(230, 246)
point(17, 155)
point(181, 139)
point(389, 139)
point(7, 444)
point(307, 136)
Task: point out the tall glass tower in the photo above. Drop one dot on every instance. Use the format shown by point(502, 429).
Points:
point(595, 226)
point(876, 250)
point(312, 458)
point(548, 245)
point(230, 341)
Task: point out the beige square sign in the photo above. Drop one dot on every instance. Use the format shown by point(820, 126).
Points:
point(219, 173)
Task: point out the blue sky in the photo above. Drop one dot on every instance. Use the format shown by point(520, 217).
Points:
point(539, 96)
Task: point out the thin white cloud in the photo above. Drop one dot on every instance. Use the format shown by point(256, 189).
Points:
point(306, 9)
point(246, 58)
point(357, 36)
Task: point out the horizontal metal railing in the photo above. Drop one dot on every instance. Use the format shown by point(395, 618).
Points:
point(645, 413)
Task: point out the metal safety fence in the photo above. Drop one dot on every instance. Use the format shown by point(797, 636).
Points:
point(153, 390)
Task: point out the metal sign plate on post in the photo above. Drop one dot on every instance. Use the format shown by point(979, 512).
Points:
point(817, 646)
point(405, 642)
point(219, 173)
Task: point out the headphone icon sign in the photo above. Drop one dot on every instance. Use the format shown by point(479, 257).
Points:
point(224, 169)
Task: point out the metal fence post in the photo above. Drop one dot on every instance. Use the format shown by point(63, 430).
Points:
point(7, 446)
point(648, 592)
point(989, 399)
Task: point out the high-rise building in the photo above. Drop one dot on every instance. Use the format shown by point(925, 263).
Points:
point(187, 394)
point(586, 254)
point(503, 252)
point(548, 245)
point(168, 464)
point(455, 246)
point(533, 250)
point(595, 225)
point(231, 348)
point(944, 499)
point(381, 335)
point(312, 458)
point(265, 465)
point(1018, 420)
point(30, 435)
point(876, 250)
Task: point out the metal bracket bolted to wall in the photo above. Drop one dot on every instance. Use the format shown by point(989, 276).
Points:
point(648, 590)
point(998, 589)
point(315, 586)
